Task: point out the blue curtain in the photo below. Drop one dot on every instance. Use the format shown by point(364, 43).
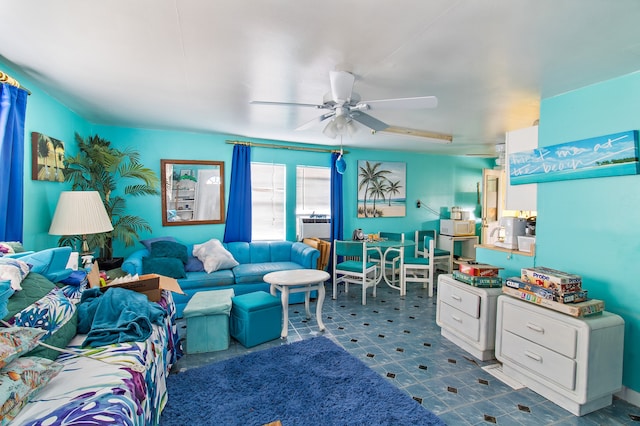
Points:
point(238, 223)
point(337, 206)
point(13, 105)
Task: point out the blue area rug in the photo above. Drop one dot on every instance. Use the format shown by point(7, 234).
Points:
point(311, 382)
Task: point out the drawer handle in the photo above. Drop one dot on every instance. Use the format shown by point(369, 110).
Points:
point(456, 297)
point(533, 356)
point(535, 328)
point(455, 318)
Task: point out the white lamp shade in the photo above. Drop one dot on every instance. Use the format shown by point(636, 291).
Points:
point(80, 213)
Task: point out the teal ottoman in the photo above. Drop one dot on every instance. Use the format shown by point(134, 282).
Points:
point(256, 318)
point(207, 316)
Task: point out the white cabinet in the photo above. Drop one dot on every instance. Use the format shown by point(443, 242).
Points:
point(520, 197)
point(467, 316)
point(574, 362)
point(467, 245)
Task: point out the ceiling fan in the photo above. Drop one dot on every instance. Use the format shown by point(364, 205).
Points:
point(346, 107)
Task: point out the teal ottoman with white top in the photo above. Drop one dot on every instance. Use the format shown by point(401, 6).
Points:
point(207, 316)
point(255, 318)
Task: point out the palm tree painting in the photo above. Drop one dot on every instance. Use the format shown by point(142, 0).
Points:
point(382, 189)
point(48, 158)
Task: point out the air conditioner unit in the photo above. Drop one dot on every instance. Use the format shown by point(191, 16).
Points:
point(315, 227)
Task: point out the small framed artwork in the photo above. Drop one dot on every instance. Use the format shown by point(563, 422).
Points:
point(382, 189)
point(47, 155)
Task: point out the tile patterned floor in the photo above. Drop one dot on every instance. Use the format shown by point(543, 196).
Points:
point(400, 340)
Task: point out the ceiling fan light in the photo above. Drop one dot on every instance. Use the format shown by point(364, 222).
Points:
point(330, 130)
point(351, 128)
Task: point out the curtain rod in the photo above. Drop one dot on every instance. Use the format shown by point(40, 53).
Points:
point(6, 78)
point(293, 148)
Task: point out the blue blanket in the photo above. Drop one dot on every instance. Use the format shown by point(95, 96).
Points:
point(116, 316)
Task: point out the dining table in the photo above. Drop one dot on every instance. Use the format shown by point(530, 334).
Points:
point(386, 247)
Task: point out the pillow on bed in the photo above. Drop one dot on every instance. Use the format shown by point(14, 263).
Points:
point(17, 341)
point(5, 293)
point(214, 256)
point(14, 270)
point(22, 380)
point(147, 243)
point(54, 313)
point(170, 249)
point(167, 266)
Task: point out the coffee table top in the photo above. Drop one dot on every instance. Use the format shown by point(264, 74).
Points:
point(296, 277)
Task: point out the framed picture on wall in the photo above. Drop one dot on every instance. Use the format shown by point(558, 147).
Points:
point(382, 189)
point(47, 155)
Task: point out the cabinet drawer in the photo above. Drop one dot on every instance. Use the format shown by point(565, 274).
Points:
point(540, 329)
point(462, 323)
point(460, 299)
point(539, 360)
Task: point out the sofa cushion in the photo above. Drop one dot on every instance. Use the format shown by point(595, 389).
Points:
point(167, 266)
point(254, 272)
point(204, 280)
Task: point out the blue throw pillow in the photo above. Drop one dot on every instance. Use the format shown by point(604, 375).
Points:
point(147, 243)
point(170, 249)
point(193, 265)
point(167, 266)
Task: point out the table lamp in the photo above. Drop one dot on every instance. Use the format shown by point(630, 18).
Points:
point(80, 213)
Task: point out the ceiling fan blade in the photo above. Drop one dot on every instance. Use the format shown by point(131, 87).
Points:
point(341, 86)
point(369, 121)
point(403, 103)
point(286, 104)
point(315, 121)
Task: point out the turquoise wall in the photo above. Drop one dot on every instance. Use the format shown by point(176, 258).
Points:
point(439, 181)
point(591, 226)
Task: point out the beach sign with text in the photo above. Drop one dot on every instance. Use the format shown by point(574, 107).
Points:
point(609, 155)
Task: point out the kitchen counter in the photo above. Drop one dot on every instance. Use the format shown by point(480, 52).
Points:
point(531, 253)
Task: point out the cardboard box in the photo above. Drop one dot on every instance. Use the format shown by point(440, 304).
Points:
point(582, 309)
point(486, 282)
point(150, 285)
point(551, 278)
point(478, 269)
point(547, 293)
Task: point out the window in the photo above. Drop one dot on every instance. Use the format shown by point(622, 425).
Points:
point(313, 192)
point(268, 201)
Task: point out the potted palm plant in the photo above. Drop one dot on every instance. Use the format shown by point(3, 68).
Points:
point(100, 167)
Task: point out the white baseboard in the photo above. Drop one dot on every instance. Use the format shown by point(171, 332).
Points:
point(629, 395)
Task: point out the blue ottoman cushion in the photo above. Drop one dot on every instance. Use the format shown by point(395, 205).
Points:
point(255, 318)
point(207, 316)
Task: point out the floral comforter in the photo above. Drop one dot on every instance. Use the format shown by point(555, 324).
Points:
point(118, 384)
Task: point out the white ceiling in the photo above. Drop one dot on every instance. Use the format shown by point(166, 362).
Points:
point(194, 65)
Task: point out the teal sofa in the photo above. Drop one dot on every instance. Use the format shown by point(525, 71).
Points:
point(256, 259)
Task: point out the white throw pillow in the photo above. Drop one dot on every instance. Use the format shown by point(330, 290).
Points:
point(214, 256)
point(14, 270)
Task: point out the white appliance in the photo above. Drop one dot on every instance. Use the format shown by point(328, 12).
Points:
point(457, 228)
point(513, 227)
point(315, 227)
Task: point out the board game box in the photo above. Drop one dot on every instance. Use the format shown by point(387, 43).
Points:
point(475, 281)
point(551, 278)
point(547, 293)
point(478, 269)
point(581, 309)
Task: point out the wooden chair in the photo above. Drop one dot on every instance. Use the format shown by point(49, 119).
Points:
point(420, 269)
point(357, 270)
point(441, 257)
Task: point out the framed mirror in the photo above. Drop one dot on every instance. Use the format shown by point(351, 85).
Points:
point(192, 192)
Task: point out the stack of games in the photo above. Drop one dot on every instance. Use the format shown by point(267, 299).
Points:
point(478, 274)
point(553, 289)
